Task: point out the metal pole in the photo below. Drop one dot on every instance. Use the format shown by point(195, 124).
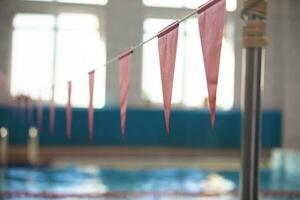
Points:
point(253, 57)
point(251, 124)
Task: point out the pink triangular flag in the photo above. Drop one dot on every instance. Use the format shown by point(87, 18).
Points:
point(52, 112)
point(29, 110)
point(40, 114)
point(124, 80)
point(167, 46)
point(69, 111)
point(211, 21)
point(17, 108)
point(14, 107)
point(91, 105)
point(22, 108)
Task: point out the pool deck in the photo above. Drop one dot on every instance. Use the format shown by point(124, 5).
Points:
point(134, 157)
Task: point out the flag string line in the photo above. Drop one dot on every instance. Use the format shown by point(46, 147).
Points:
point(199, 10)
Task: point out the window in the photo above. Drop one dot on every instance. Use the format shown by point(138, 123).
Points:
point(230, 4)
point(32, 57)
point(49, 49)
point(96, 2)
point(189, 87)
point(99, 2)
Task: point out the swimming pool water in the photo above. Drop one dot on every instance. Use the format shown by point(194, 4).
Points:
point(85, 180)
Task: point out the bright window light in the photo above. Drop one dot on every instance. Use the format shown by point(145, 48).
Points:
point(79, 49)
point(51, 49)
point(32, 55)
point(95, 2)
point(99, 2)
point(189, 87)
point(230, 4)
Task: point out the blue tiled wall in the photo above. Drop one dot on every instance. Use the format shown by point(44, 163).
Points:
point(145, 127)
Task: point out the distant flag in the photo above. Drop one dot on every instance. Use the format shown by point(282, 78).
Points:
point(124, 80)
point(14, 107)
point(40, 114)
point(211, 20)
point(52, 112)
point(29, 110)
point(167, 47)
point(91, 105)
point(69, 111)
point(22, 108)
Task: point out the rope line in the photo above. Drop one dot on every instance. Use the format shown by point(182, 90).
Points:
point(200, 9)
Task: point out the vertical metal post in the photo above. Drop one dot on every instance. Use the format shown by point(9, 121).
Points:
point(253, 56)
point(251, 124)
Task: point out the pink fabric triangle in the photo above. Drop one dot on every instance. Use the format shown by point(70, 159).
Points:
point(124, 80)
point(52, 113)
point(167, 47)
point(69, 111)
point(91, 105)
point(22, 108)
point(211, 21)
point(29, 110)
point(17, 109)
point(14, 107)
point(40, 114)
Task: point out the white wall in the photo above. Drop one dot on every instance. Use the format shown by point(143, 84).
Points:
point(282, 76)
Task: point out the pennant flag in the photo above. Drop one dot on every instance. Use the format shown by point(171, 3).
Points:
point(167, 46)
point(22, 103)
point(211, 20)
point(18, 109)
point(14, 108)
point(40, 114)
point(91, 105)
point(69, 111)
point(29, 110)
point(52, 112)
point(124, 80)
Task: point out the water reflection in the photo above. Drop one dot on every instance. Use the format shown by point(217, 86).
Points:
point(92, 179)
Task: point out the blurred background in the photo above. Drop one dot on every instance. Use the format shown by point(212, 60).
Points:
point(46, 42)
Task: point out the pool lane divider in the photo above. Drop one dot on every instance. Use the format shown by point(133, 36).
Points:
point(132, 194)
point(211, 17)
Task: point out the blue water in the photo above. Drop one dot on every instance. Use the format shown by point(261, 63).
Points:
point(82, 180)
